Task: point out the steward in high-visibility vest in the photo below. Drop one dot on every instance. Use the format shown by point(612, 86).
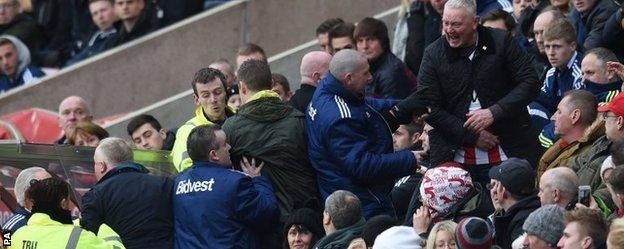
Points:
point(181, 160)
point(42, 232)
point(210, 93)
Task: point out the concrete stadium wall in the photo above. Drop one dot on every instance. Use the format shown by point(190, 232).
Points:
point(161, 64)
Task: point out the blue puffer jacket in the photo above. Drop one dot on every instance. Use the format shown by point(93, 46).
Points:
point(216, 207)
point(350, 146)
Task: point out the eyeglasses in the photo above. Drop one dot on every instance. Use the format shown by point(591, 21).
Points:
point(606, 115)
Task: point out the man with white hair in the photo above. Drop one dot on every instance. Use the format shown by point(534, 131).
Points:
point(481, 82)
point(543, 21)
point(22, 213)
point(350, 138)
point(314, 66)
point(72, 110)
point(134, 204)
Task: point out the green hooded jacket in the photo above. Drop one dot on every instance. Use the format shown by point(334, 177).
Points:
point(341, 239)
point(269, 130)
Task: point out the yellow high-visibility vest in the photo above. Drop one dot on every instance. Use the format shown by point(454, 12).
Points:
point(179, 155)
point(41, 232)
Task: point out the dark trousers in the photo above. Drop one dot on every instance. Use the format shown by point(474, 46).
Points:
point(481, 174)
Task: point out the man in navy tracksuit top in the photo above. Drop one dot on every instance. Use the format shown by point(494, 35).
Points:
point(350, 138)
point(215, 206)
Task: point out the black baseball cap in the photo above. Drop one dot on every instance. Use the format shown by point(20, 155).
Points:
point(516, 175)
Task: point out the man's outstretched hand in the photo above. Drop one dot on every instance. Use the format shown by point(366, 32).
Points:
point(414, 105)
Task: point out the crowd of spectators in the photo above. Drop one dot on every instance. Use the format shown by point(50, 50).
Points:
point(487, 124)
point(52, 34)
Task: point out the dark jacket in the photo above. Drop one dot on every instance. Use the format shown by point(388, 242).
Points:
point(82, 23)
point(558, 82)
point(540, 64)
point(350, 146)
point(341, 238)
point(504, 81)
point(134, 204)
point(390, 79)
point(402, 192)
point(55, 20)
point(613, 34)
point(587, 164)
point(25, 28)
point(477, 203)
point(96, 44)
point(590, 25)
point(273, 132)
point(528, 16)
point(302, 97)
point(169, 140)
point(226, 210)
point(17, 220)
point(141, 28)
point(424, 26)
point(508, 225)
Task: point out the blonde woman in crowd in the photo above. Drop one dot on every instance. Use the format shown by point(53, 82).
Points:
point(442, 235)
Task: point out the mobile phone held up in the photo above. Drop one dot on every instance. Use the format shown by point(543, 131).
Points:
point(584, 193)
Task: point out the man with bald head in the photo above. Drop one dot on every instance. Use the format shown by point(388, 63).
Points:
point(314, 66)
point(350, 137)
point(72, 110)
point(559, 186)
point(542, 21)
point(226, 68)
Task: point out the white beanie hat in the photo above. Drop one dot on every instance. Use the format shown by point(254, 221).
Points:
point(606, 164)
point(398, 237)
